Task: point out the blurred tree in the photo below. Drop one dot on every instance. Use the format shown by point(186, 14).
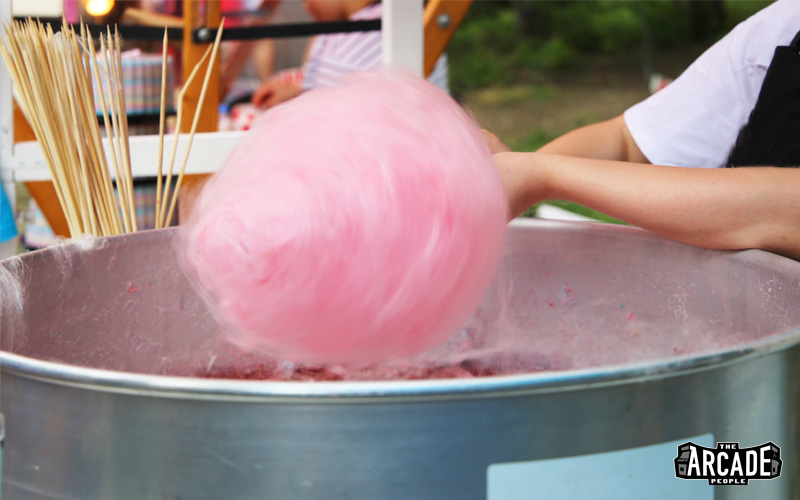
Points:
point(535, 18)
point(706, 18)
point(503, 41)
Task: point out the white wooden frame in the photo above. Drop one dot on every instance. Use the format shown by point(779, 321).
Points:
point(7, 160)
point(402, 32)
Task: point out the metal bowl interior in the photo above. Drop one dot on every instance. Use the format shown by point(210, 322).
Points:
point(610, 304)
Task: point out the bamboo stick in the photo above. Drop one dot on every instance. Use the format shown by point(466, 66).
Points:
point(161, 122)
point(82, 176)
point(181, 96)
point(126, 151)
point(199, 108)
point(113, 225)
point(113, 135)
point(111, 199)
point(44, 106)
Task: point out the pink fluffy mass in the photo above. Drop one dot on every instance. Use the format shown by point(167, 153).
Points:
point(355, 224)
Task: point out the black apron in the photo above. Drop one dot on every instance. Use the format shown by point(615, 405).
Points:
point(772, 134)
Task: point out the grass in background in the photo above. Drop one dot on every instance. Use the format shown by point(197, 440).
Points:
point(576, 209)
point(515, 94)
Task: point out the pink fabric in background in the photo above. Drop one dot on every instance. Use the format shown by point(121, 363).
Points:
point(354, 224)
point(71, 11)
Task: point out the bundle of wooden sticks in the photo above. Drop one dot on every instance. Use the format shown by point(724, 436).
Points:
point(52, 76)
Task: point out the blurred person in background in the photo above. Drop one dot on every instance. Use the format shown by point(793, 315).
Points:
point(247, 63)
point(332, 56)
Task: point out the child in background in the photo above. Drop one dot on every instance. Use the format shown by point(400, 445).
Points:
point(331, 57)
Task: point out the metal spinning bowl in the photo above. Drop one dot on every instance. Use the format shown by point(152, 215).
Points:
point(665, 344)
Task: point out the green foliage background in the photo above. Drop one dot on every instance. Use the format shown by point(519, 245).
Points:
point(518, 49)
point(501, 42)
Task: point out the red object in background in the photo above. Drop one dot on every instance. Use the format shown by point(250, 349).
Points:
point(71, 11)
point(658, 82)
point(243, 115)
point(232, 12)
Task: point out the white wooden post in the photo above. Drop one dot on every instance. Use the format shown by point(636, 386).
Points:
point(6, 105)
point(402, 34)
point(7, 136)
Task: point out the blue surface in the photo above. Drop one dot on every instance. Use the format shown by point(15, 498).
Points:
point(8, 228)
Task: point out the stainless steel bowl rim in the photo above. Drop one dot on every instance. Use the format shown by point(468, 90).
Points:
point(341, 391)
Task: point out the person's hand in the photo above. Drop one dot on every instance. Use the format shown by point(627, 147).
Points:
point(524, 178)
point(274, 92)
point(494, 142)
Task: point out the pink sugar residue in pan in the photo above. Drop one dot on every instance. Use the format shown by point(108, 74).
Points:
point(355, 224)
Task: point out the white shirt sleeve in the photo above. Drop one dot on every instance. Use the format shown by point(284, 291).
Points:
point(695, 120)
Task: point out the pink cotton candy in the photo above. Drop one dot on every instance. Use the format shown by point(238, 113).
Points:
point(354, 224)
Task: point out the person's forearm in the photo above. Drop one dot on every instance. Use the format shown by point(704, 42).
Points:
point(232, 66)
point(608, 140)
point(756, 207)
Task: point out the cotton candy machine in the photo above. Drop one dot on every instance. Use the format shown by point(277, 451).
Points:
point(639, 345)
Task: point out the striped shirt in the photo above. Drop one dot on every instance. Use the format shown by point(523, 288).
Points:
point(335, 55)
